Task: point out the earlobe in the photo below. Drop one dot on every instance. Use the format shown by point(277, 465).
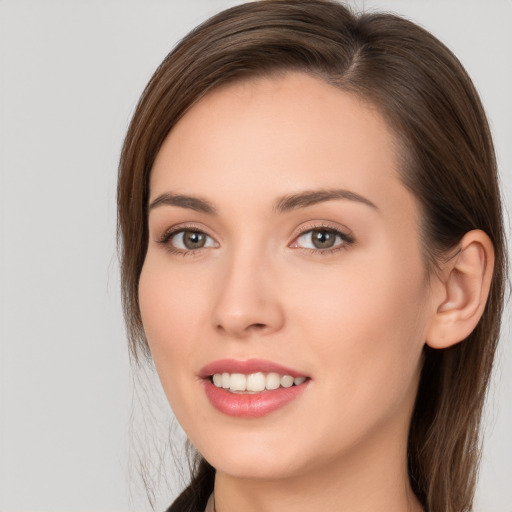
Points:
point(462, 293)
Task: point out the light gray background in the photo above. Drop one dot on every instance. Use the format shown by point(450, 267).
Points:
point(70, 75)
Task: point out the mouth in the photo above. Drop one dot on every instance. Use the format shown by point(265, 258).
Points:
point(252, 388)
point(254, 382)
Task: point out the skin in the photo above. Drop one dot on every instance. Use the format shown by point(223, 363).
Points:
point(354, 319)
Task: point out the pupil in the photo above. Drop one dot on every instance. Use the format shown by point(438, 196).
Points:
point(323, 239)
point(194, 239)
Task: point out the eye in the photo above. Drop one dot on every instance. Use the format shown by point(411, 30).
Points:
point(184, 240)
point(190, 240)
point(322, 239)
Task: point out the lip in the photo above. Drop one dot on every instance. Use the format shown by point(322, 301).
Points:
point(247, 367)
point(250, 405)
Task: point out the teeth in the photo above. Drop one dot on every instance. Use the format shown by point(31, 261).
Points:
point(238, 382)
point(254, 382)
point(286, 381)
point(273, 381)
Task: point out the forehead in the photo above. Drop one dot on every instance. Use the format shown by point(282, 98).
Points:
point(271, 136)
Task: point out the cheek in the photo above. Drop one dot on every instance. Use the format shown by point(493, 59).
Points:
point(170, 300)
point(368, 323)
point(171, 306)
point(386, 298)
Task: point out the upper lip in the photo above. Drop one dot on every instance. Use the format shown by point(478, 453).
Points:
point(247, 367)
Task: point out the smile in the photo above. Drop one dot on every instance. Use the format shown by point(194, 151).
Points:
point(252, 388)
point(254, 382)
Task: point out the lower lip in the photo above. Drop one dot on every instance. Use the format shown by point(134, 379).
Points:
point(253, 405)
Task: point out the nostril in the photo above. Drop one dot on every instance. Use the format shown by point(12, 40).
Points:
point(256, 327)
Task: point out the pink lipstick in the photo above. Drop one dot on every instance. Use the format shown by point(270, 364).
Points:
point(252, 388)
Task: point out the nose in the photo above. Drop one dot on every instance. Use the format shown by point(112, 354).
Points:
point(248, 301)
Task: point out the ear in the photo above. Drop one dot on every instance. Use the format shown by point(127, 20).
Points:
point(461, 293)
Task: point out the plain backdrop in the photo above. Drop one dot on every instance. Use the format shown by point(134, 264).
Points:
point(70, 76)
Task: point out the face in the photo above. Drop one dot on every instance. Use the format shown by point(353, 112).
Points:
point(284, 294)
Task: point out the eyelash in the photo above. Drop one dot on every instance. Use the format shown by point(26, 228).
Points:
point(166, 238)
point(346, 239)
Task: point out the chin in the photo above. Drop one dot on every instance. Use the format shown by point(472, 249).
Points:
point(255, 459)
point(256, 469)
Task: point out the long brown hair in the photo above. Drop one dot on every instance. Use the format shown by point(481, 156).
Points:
point(447, 161)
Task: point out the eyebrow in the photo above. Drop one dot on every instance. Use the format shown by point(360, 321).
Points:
point(183, 201)
point(282, 205)
point(312, 197)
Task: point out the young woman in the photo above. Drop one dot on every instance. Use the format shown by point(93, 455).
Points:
point(313, 257)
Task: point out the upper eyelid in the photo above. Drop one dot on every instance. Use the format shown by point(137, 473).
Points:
point(327, 225)
point(172, 230)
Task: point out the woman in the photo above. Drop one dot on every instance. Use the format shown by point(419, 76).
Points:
point(313, 257)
